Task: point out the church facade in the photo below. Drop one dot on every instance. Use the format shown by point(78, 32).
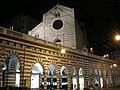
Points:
point(36, 61)
point(60, 26)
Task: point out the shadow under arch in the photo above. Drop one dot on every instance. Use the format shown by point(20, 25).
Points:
point(96, 78)
point(11, 72)
point(73, 78)
point(52, 78)
point(63, 78)
point(91, 78)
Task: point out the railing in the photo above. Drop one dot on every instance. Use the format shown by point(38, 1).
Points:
point(31, 38)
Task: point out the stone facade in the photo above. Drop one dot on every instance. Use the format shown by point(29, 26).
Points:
point(80, 66)
point(59, 23)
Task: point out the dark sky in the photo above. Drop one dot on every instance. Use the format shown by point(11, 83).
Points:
point(101, 18)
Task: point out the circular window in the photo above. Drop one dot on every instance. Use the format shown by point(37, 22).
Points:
point(57, 24)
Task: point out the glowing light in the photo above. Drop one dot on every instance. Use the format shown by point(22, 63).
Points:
point(81, 83)
point(111, 66)
point(117, 37)
point(114, 65)
point(62, 50)
point(91, 49)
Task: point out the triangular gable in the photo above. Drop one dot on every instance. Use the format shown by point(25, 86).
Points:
point(60, 8)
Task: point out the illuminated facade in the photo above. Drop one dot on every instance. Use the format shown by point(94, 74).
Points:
point(36, 61)
point(60, 26)
point(26, 61)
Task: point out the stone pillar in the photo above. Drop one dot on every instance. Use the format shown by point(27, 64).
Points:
point(93, 79)
point(58, 78)
point(1, 70)
point(45, 78)
point(69, 81)
point(109, 79)
point(58, 82)
point(86, 82)
point(98, 79)
point(22, 80)
point(104, 81)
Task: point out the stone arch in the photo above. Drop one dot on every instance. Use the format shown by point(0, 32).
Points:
point(111, 77)
point(91, 72)
point(52, 70)
point(81, 78)
point(115, 77)
point(106, 73)
point(57, 41)
point(52, 78)
point(91, 77)
point(96, 77)
point(81, 71)
point(36, 68)
point(38, 61)
point(63, 71)
point(11, 71)
point(16, 53)
point(73, 77)
point(101, 77)
point(53, 62)
point(37, 76)
point(63, 77)
point(73, 71)
point(13, 52)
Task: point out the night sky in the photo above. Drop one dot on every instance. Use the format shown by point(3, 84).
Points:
point(101, 18)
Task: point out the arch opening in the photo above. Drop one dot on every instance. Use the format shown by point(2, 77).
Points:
point(81, 79)
point(37, 77)
point(52, 79)
point(11, 72)
point(63, 78)
point(73, 78)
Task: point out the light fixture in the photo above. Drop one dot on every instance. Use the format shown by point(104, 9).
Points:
point(115, 65)
point(63, 50)
point(111, 66)
point(117, 37)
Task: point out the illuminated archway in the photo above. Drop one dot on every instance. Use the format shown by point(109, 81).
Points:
point(81, 79)
point(73, 78)
point(37, 78)
point(91, 78)
point(96, 78)
point(11, 72)
point(101, 78)
point(111, 78)
point(63, 78)
point(107, 84)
